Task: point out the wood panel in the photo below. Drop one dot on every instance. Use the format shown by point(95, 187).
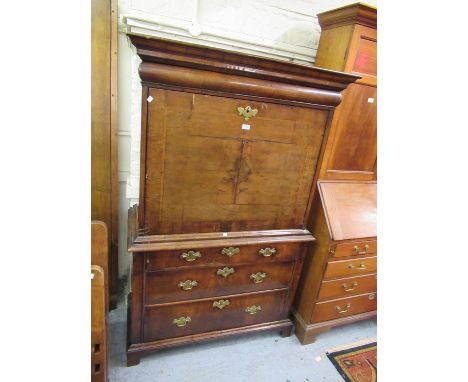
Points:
point(334, 309)
point(215, 176)
point(347, 287)
point(352, 267)
point(104, 164)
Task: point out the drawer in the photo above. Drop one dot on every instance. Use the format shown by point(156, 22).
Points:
point(330, 310)
point(182, 319)
point(356, 248)
point(352, 267)
point(348, 287)
point(222, 255)
point(199, 282)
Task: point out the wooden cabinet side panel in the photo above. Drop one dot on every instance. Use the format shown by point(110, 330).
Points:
point(333, 47)
point(314, 264)
point(352, 147)
point(135, 303)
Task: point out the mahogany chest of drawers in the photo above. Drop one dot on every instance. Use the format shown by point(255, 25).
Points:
point(229, 150)
point(339, 281)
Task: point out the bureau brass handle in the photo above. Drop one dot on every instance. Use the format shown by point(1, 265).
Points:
point(221, 304)
point(258, 277)
point(231, 251)
point(225, 272)
point(247, 112)
point(344, 310)
point(188, 284)
point(359, 252)
point(181, 321)
point(190, 256)
point(267, 252)
point(349, 288)
point(254, 309)
point(360, 266)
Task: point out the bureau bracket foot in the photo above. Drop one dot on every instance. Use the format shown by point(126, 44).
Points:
point(132, 360)
point(286, 332)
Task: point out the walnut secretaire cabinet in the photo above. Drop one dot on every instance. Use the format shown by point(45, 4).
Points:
point(229, 149)
point(349, 43)
point(339, 281)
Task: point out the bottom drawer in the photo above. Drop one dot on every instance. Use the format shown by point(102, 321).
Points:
point(182, 319)
point(331, 310)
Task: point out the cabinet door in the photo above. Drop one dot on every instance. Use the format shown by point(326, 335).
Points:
point(352, 147)
point(210, 170)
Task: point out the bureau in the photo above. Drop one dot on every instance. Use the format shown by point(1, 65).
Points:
point(230, 146)
point(339, 281)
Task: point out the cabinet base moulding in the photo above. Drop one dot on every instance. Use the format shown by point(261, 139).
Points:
point(135, 351)
point(307, 334)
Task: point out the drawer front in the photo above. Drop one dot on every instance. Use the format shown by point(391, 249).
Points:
point(200, 282)
point(356, 249)
point(331, 310)
point(352, 267)
point(222, 255)
point(203, 316)
point(348, 287)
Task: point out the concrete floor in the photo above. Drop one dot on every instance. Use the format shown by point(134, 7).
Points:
point(260, 357)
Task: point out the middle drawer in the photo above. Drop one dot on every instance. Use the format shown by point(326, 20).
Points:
point(200, 282)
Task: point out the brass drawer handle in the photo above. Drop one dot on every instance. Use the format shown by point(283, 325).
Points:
point(181, 321)
point(188, 284)
point(254, 309)
point(190, 256)
point(348, 288)
point(221, 304)
point(340, 311)
point(247, 112)
point(267, 252)
point(231, 251)
point(258, 277)
point(225, 272)
point(359, 252)
point(360, 266)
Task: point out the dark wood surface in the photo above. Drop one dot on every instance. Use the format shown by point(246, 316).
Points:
point(218, 197)
point(340, 270)
point(99, 301)
point(349, 42)
point(104, 161)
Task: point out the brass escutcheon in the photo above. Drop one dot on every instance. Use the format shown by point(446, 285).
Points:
point(258, 277)
point(360, 266)
point(267, 252)
point(247, 112)
point(344, 310)
point(221, 304)
point(188, 284)
point(349, 288)
point(190, 256)
point(181, 321)
point(225, 272)
point(254, 309)
point(231, 251)
point(359, 252)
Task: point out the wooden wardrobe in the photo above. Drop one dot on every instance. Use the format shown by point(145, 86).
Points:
point(230, 147)
point(339, 283)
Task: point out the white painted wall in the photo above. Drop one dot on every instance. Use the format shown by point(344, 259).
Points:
point(286, 30)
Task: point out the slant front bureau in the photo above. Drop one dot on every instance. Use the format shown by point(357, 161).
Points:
point(229, 150)
point(339, 282)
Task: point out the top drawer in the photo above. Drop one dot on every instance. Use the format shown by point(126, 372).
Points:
point(356, 248)
point(222, 255)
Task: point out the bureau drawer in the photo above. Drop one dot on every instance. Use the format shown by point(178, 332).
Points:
point(200, 282)
point(357, 248)
point(352, 267)
point(222, 255)
point(348, 286)
point(182, 319)
point(330, 310)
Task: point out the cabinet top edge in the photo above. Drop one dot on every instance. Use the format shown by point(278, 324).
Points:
point(207, 58)
point(358, 13)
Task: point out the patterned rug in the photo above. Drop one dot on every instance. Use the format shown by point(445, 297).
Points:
point(356, 363)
